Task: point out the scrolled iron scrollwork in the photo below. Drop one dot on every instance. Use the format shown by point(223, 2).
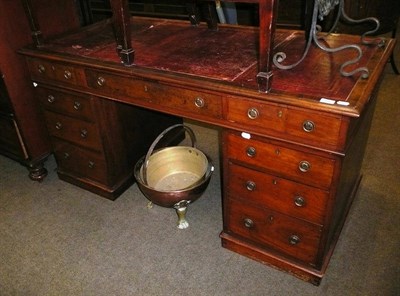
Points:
point(321, 9)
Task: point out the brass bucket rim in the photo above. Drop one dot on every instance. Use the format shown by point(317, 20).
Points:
point(207, 175)
point(152, 152)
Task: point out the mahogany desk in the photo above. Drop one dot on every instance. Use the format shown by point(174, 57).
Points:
point(290, 159)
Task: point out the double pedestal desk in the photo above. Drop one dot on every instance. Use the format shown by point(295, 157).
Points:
point(291, 156)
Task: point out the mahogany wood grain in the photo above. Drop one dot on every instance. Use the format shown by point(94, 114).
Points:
point(296, 139)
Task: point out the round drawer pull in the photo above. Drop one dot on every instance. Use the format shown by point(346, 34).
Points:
point(250, 185)
point(59, 125)
point(84, 133)
point(199, 102)
point(294, 239)
point(308, 126)
point(251, 151)
point(77, 105)
point(253, 113)
point(91, 165)
point(248, 223)
point(101, 81)
point(67, 74)
point(51, 99)
point(304, 166)
point(41, 69)
point(299, 201)
point(67, 155)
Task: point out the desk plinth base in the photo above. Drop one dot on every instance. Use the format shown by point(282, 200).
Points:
point(303, 272)
point(111, 193)
point(268, 258)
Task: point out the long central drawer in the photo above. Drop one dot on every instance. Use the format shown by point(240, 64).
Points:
point(197, 103)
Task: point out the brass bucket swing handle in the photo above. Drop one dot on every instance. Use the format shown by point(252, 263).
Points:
point(155, 142)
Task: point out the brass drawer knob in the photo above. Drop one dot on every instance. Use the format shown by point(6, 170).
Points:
point(67, 74)
point(299, 201)
point(250, 185)
point(41, 68)
point(51, 99)
point(77, 105)
point(253, 113)
point(248, 223)
point(294, 239)
point(101, 81)
point(304, 166)
point(308, 126)
point(199, 102)
point(59, 125)
point(91, 165)
point(251, 151)
point(84, 133)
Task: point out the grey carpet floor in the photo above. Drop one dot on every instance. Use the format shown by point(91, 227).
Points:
point(57, 239)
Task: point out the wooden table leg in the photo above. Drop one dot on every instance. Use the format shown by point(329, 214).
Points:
point(122, 27)
point(268, 11)
point(37, 35)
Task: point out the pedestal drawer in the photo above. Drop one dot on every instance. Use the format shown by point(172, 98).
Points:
point(294, 237)
point(296, 165)
point(78, 161)
point(285, 196)
point(69, 103)
point(80, 132)
point(47, 70)
point(305, 126)
point(255, 115)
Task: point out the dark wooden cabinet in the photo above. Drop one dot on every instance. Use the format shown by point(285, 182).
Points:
point(10, 137)
point(23, 134)
point(287, 201)
point(96, 142)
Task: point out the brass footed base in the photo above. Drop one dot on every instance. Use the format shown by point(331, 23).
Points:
point(181, 209)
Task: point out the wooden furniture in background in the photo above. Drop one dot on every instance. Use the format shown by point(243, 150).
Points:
point(23, 135)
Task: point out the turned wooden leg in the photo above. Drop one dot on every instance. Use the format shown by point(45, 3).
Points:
point(37, 171)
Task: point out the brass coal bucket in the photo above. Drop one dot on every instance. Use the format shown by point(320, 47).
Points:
point(174, 176)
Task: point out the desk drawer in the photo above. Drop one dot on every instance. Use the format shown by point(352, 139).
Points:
point(313, 128)
point(255, 115)
point(52, 71)
point(296, 165)
point(73, 130)
point(78, 161)
point(287, 235)
point(68, 103)
point(161, 95)
point(287, 197)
